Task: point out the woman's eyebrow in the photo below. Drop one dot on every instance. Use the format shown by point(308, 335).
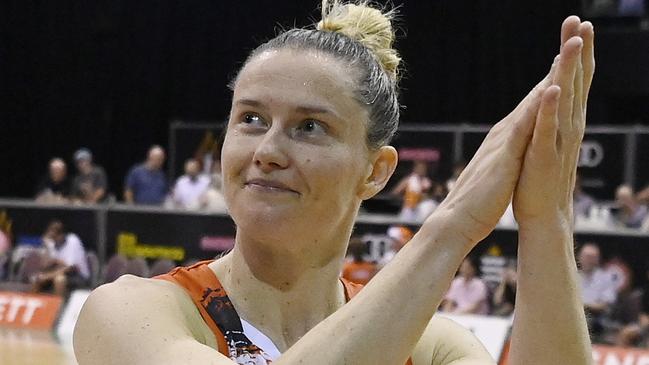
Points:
point(302, 109)
point(315, 109)
point(250, 102)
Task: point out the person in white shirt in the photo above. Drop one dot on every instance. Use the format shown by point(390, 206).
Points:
point(65, 265)
point(190, 186)
point(598, 288)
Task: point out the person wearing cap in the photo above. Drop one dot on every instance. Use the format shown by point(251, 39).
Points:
point(90, 184)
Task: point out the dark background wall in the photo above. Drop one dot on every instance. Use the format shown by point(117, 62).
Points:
point(111, 74)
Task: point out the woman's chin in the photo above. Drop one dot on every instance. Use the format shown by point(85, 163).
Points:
point(266, 218)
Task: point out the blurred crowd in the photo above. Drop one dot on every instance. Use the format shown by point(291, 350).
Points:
point(616, 299)
point(420, 195)
point(199, 188)
point(58, 262)
point(616, 307)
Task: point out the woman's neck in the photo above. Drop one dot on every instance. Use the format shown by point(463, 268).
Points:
point(283, 295)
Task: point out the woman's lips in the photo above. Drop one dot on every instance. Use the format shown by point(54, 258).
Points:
point(269, 186)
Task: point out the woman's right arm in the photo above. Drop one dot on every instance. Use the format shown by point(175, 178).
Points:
point(141, 321)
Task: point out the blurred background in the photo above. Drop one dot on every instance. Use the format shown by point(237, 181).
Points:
point(111, 120)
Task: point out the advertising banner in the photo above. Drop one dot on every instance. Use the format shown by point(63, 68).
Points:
point(173, 235)
point(33, 311)
point(605, 355)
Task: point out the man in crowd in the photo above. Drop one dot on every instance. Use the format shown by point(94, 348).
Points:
point(582, 202)
point(55, 187)
point(191, 186)
point(65, 265)
point(630, 212)
point(598, 288)
point(90, 185)
point(145, 182)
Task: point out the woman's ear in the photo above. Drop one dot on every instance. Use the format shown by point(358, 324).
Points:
point(383, 163)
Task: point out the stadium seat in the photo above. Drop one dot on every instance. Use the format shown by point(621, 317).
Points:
point(115, 268)
point(93, 265)
point(137, 266)
point(161, 266)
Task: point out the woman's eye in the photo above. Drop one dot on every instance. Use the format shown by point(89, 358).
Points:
point(312, 127)
point(253, 120)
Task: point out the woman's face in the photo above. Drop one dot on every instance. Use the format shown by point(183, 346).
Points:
point(295, 158)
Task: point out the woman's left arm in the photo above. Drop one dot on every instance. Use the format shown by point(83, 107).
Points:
point(550, 325)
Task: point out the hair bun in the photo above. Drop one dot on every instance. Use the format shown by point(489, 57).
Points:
point(367, 25)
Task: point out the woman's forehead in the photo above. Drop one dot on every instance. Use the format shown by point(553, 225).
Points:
point(293, 75)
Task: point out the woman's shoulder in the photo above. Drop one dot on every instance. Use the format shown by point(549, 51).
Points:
point(131, 312)
point(444, 342)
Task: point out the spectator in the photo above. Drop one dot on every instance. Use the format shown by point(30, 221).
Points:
point(400, 235)
point(643, 195)
point(90, 185)
point(505, 295)
point(65, 266)
point(190, 186)
point(468, 293)
point(582, 202)
point(630, 212)
point(145, 182)
point(597, 286)
point(55, 187)
point(5, 233)
point(413, 187)
point(430, 201)
point(5, 246)
point(637, 333)
point(358, 270)
point(457, 170)
point(213, 200)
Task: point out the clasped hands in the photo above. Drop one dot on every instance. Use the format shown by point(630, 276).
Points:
point(531, 155)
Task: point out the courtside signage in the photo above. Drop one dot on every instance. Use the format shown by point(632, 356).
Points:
point(22, 310)
point(70, 315)
point(605, 355)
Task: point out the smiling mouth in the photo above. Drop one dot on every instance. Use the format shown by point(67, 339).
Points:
point(269, 186)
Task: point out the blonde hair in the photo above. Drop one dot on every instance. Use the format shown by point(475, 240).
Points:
point(360, 37)
point(364, 24)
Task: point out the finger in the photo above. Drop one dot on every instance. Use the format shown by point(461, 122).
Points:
point(569, 29)
point(577, 103)
point(544, 139)
point(564, 78)
point(587, 33)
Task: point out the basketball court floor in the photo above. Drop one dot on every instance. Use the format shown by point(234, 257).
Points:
point(31, 347)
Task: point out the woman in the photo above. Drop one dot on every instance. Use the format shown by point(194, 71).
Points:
point(307, 141)
point(468, 293)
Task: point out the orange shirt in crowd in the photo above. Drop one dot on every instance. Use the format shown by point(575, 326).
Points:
point(359, 272)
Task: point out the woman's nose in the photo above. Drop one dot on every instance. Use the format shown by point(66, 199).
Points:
point(270, 153)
